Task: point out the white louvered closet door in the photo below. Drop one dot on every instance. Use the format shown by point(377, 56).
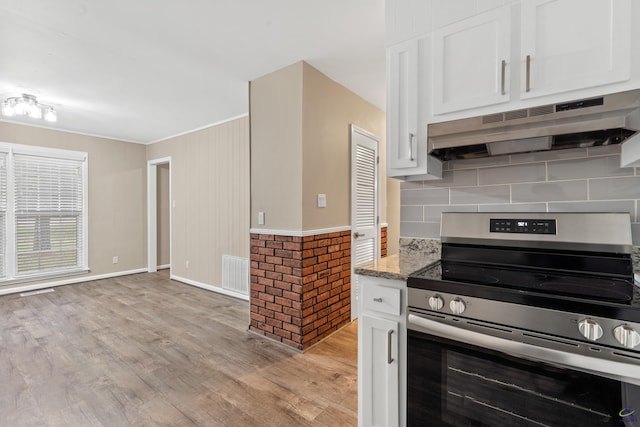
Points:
point(364, 205)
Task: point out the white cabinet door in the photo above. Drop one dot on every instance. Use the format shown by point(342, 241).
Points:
point(471, 62)
point(380, 382)
point(573, 44)
point(402, 105)
point(408, 82)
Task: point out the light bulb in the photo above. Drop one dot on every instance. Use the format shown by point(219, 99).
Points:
point(21, 106)
point(35, 112)
point(7, 109)
point(50, 115)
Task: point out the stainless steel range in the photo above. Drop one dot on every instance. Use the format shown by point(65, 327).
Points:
point(528, 319)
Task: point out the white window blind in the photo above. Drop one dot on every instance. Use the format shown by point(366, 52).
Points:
point(48, 205)
point(3, 213)
point(43, 212)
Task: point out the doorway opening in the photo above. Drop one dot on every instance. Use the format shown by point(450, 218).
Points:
point(159, 207)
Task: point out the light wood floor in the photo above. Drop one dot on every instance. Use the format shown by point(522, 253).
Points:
point(145, 350)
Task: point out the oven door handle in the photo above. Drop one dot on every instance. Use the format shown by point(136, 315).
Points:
point(626, 372)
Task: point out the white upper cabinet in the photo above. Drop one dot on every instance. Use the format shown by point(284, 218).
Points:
point(531, 53)
point(471, 62)
point(402, 105)
point(406, 19)
point(407, 107)
point(573, 44)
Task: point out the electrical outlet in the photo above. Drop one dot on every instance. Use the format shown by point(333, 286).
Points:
point(115, 259)
point(187, 264)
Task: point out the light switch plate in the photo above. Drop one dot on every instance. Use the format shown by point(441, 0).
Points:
point(260, 218)
point(322, 200)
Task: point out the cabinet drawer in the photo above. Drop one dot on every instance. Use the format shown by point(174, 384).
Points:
point(382, 299)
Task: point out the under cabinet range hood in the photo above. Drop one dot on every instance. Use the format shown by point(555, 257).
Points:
point(604, 120)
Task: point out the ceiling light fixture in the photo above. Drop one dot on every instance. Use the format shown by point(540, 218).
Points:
point(28, 105)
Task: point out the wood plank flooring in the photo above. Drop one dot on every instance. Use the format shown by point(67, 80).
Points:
point(144, 350)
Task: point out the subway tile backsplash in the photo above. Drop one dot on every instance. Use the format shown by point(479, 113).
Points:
point(575, 180)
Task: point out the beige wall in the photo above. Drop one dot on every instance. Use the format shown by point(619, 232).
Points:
point(300, 147)
point(163, 210)
point(276, 149)
point(328, 110)
point(210, 188)
point(117, 189)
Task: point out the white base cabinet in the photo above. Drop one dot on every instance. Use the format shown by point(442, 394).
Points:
point(382, 344)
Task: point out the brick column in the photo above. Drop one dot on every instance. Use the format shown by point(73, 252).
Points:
point(300, 286)
point(383, 242)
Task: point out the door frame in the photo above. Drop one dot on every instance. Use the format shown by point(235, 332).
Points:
point(353, 129)
point(152, 213)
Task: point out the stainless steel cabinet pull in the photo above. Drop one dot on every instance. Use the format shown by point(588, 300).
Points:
point(528, 89)
point(389, 358)
point(356, 234)
point(411, 136)
point(377, 299)
point(503, 67)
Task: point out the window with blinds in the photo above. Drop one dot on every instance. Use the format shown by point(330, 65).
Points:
point(42, 212)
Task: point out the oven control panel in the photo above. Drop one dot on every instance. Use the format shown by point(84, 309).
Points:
point(525, 226)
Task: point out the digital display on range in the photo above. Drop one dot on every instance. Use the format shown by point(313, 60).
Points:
point(526, 226)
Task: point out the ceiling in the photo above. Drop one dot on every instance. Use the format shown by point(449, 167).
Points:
point(146, 70)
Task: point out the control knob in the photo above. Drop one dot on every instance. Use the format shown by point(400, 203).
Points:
point(457, 306)
point(627, 336)
point(590, 329)
point(436, 302)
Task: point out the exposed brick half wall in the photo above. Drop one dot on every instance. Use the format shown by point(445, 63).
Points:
point(300, 286)
point(383, 242)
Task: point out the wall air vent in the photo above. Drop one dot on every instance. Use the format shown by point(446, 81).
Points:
point(492, 118)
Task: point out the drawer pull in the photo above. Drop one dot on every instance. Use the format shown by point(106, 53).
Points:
point(389, 358)
point(377, 299)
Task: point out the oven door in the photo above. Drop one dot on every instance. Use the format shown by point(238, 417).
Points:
point(458, 377)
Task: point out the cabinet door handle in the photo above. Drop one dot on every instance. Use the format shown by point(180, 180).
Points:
point(528, 78)
point(389, 358)
point(356, 235)
point(411, 136)
point(503, 67)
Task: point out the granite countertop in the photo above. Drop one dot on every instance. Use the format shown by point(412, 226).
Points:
point(396, 267)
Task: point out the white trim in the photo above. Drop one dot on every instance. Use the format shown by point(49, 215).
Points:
point(34, 150)
point(305, 233)
point(43, 285)
point(164, 266)
point(200, 128)
point(211, 288)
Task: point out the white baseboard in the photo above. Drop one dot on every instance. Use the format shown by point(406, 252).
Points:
point(210, 288)
point(44, 285)
point(163, 267)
